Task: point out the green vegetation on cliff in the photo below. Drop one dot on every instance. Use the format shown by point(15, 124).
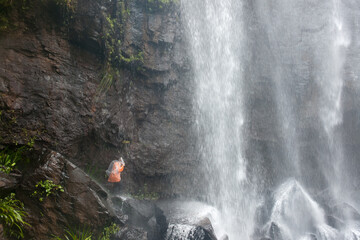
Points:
point(115, 57)
point(10, 157)
point(84, 233)
point(12, 215)
point(5, 6)
point(46, 188)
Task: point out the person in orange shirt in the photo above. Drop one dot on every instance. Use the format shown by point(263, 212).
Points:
point(114, 170)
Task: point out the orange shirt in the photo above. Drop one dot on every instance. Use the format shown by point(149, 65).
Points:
point(115, 172)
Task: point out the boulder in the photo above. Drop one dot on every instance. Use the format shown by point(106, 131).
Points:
point(82, 204)
point(205, 226)
point(224, 237)
point(180, 231)
point(143, 215)
point(9, 182)
point(275, 232)
point(128, 233)
point(188, 220)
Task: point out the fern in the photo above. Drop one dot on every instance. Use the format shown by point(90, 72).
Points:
point(12, 215)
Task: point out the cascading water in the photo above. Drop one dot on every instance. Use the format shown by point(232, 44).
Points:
point(216, 34)
point(332, 85)
point(303, 189)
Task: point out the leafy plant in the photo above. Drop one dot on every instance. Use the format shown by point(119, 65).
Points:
point(84, 233)
point(46, 188)
point(76, 234)
point(12, 215)
point(109, 231)
point(7, 164)
point(9, 158)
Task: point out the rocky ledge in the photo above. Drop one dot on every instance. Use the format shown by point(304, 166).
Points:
point(83, 203)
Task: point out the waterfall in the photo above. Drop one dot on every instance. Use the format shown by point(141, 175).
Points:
point(215, 29)
point(331, 107)
point(291, 181)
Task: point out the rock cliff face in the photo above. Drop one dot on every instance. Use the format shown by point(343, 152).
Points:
point(83, 202)
point(53, 60)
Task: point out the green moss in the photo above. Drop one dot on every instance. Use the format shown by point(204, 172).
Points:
point(145, 194)
point(5, 9)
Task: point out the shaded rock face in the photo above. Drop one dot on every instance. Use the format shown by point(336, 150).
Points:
point(145, 218)
point(83, 202)
point(49, 83)
point(9, 182)
point(131, 234)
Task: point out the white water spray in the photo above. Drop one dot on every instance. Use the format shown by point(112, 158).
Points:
point(215, 33)
point(331, 106)
point(306, 50)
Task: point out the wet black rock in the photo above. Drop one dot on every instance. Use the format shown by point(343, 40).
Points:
point(128, 233)
point(9, 182)
point(187, 220)
point(142, 214)
point(201, 230)
point(83, 202)
point(188, 232)
point(275, 232)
